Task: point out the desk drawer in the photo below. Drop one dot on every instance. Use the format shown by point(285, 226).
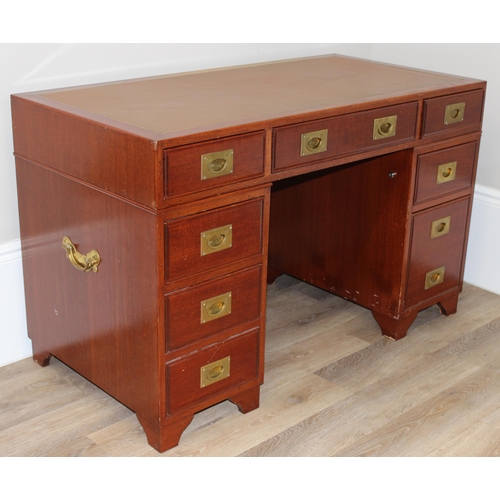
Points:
point(437, 251)
point(212, 371)
point(341, 135)
point(453, 112)
point(206, 165)
point(213, 239)
point(445, 171)
point(209, 308)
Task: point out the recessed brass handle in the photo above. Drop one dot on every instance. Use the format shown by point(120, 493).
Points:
point(313, 142)
point(440, 227)
point(216, 239)
point(434, 277)
point(384, 127)
point(216, 307)
point(454, 113)
point(217, 164)
point(446, 172)
point(82, 262)
point(215, 372)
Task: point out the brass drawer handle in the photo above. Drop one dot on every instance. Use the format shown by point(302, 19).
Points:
point(215, 372)
point(454, 113)
point(434, 277)
point(384, 127)
point(82, 262)
point(446, 172)
point(216, 307)
point(217, 164)
point(313, 142)
point(440, 227)
point(216, 239)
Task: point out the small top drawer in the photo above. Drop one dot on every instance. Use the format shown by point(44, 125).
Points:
point(213, 239)
point(206, 165)
point(453, 112)
point(445, 171)
point(316, 141)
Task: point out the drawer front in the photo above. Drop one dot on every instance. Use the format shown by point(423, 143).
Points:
point(453, 112)
point(212, 371)
point(209, 308)
point(445, 171)
point(438, 244)
point(210, 164)
point(341, 135)
point(213, 239)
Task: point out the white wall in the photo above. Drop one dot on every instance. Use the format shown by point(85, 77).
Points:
point(28, 67)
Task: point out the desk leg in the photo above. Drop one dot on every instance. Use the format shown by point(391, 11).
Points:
point(395, 328)
point(248, 400)
point(40, 354)
point(165, 438)
point(449, 306)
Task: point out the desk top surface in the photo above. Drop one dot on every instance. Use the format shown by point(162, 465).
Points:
point(178, 104)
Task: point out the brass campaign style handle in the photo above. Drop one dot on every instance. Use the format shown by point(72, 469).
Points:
point(82, 262)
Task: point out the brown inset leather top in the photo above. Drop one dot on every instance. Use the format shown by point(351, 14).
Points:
point(174, 105)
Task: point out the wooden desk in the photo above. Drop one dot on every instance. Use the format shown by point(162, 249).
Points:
point(178, 191)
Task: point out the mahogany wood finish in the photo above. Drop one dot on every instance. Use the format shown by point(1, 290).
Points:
point(339, 229)
point(427, 188)
point(349, 133)
point(118, 168)
point(182, 164)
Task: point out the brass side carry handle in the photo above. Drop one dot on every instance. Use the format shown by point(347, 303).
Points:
point(82, 262)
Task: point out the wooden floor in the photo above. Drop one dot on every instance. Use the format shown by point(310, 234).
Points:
point(334, 387)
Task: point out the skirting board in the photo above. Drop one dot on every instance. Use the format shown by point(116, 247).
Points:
point(482, 270)
point(14, 341)
point(482, 267)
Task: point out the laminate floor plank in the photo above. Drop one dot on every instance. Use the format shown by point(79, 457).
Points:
point(297, 314)
point(440, 426)
point(430, 333)
point(344, 423)
point(62, 431)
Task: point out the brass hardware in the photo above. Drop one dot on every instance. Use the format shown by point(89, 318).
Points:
point(214, 372)
point(440, 227)
point(216, 239)
point(446, 172)
point(216, 307)
point(434, 277)
point(87, 262)
point(313, 142)
point(384, 127)
point(454, 113)
point(217, 164)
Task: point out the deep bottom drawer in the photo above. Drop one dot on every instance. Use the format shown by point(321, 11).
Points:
point(212, 371)
point(437, 251)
